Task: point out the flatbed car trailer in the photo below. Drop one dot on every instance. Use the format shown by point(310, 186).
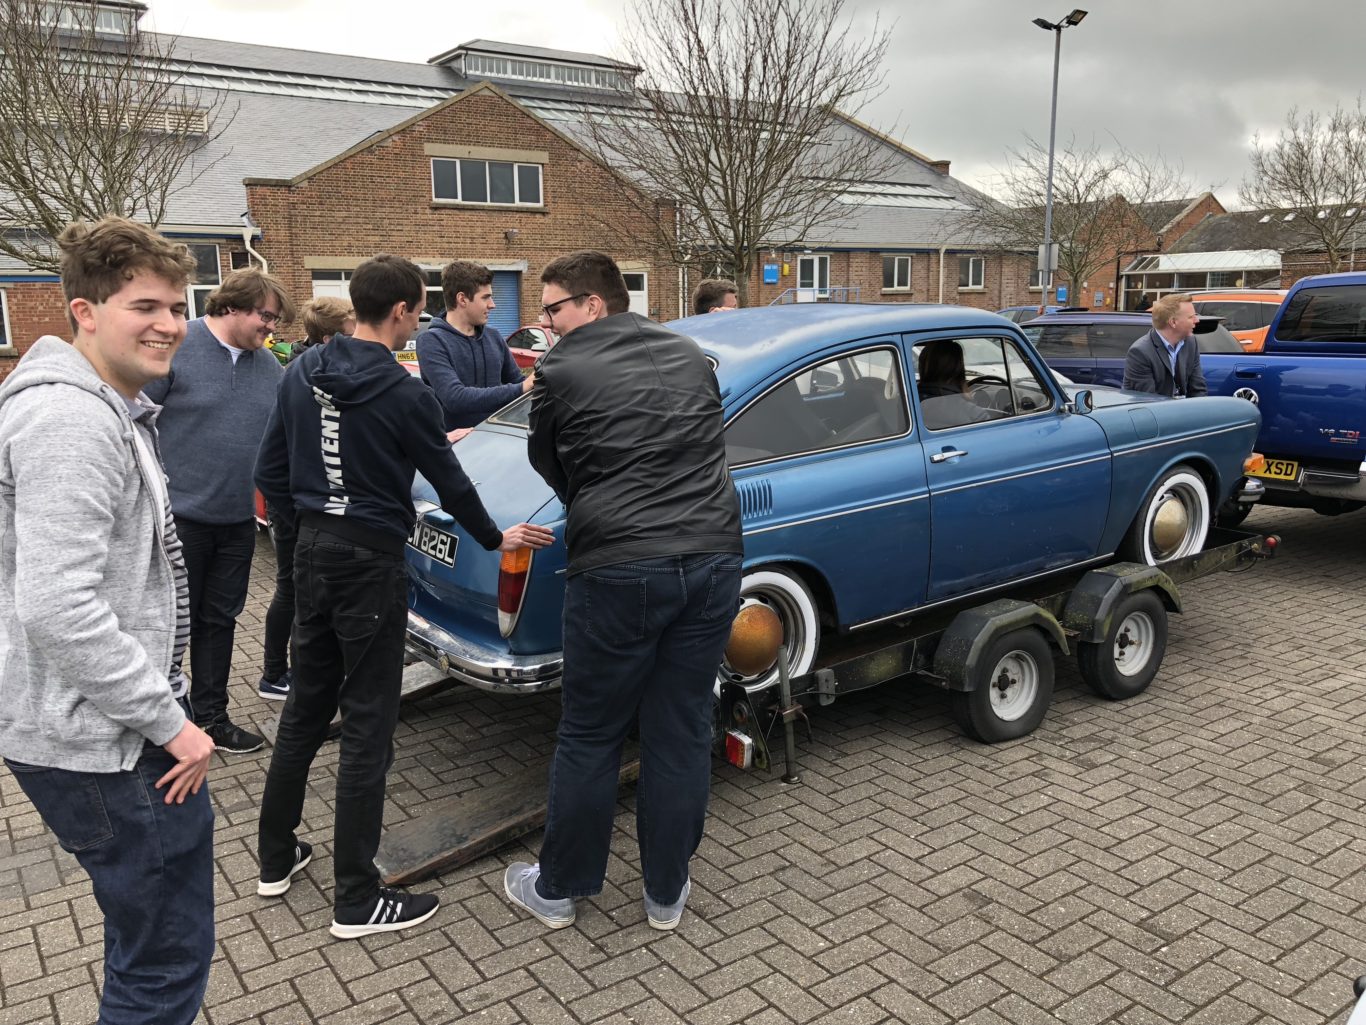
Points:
point(992, 652)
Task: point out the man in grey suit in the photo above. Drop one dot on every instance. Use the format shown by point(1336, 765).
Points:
point(1166, 361)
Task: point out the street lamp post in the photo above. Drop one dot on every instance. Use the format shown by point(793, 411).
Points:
point(1047, 260)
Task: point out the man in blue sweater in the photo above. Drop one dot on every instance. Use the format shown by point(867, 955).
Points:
point(215, 405)
point(463, 360)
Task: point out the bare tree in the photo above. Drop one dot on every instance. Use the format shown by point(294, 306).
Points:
point(94, 120)
point(739, 133)
point(1104, 204)
point(1316, 169)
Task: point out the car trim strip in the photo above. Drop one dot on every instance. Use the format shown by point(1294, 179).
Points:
point(1016, 476)
point(917, 609)
point(831, 516)
point(1183, 437)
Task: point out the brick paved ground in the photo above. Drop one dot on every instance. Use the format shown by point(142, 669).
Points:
point(1194, 855)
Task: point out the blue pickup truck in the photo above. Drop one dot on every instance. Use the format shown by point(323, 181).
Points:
point(1310, 384)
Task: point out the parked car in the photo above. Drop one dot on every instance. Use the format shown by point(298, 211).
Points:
point(1310, 382)
point(1246, 312)
point(1021, 314)
point(528, 342)
point(1090, 347)
point(864, 499)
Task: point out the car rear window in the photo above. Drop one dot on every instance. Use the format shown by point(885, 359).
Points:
point(1239, 316)
point(1333, 314)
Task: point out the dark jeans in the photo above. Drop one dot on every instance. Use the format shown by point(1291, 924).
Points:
point(152, 868)
point(280, 615)
point(218, 563)
point(641, 639)
point(351, 615)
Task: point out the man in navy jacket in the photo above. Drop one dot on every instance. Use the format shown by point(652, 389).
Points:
point(1166, 360)
point(350, 428)
point(463, 360)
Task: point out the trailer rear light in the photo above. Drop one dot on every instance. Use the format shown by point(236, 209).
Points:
point(739, 749)
point(513, 572)
point(1254, 463)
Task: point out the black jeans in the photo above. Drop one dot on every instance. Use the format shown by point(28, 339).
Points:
point(280, 615)
point(218, 563)
point(151, 866)
point(350, 619)
point(641, 640)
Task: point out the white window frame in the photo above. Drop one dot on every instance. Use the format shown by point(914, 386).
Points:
point(897, 276)
point(1036, 279)
point(516, 182)
point(206, 287)
point(7, 347)
point(640, 297)
point(976, 281)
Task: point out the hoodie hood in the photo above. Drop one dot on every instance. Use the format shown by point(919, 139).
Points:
point(349, 372)
point(52, 360)
point(443, 327)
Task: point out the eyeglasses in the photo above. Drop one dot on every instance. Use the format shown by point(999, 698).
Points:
point(550, 309)
point(268, 318)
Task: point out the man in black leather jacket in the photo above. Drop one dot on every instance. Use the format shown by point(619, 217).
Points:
point(626, 427)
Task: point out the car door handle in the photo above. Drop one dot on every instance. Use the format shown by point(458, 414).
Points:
point(1247, 373)
point(947, 454)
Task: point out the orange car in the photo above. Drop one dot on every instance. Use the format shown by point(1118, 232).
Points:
point(1246, 312)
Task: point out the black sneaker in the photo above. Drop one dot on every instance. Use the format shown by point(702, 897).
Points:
point(391, 911)
point(276, 690)
point(234, 740)
point(303, 854)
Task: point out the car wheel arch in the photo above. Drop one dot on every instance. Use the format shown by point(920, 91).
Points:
point(810, 575)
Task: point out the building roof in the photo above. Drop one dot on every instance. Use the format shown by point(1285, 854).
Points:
point(1228, 260)
point(1253, 229)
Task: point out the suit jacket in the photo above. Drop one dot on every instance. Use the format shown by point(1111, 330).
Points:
point(1148, 368)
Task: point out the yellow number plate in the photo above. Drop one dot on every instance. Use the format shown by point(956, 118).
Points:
point(405, 356)
point(1279, 469)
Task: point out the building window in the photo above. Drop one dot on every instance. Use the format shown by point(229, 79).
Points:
point(1036, 280)
point(971, 271)
point(5, 340)
point(436, 298)
point(896, 273)
point(207, 276)
point(495, 182)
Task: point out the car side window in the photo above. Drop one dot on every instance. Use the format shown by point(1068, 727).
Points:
point(529, 338)
point(849, 400)
point(1066, 341)
point(1111, 341)
point(972, 380)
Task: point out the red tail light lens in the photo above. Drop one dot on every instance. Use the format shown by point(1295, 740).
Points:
point(513, 572)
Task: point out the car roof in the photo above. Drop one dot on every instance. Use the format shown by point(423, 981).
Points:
point(750, 343)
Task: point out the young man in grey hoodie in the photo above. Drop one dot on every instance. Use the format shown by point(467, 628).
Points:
point(94, 616)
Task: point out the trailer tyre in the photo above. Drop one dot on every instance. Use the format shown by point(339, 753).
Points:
point(791, 599)
point(1173, 521)
point(1122, 665)
point(1011, 688)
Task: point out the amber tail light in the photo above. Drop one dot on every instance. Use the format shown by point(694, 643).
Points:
point(513, 573)
point(1254, 463)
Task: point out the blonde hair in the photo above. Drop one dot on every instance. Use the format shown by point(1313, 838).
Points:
point(1166, 308)
point(324, 316)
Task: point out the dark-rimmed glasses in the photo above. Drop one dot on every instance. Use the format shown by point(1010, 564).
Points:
point(550, 309)
point(267, 317)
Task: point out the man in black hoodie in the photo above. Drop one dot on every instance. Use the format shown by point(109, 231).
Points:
point(348, 430)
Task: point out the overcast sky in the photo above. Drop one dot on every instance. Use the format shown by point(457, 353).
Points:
point(965, 79)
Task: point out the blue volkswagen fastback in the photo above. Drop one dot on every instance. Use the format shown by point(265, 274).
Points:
point(888, 458)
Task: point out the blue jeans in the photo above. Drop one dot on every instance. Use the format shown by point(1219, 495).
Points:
point(641, 640)
point(152, 868)
point(350, 621)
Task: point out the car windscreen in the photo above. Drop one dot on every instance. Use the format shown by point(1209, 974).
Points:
point(1336, 313)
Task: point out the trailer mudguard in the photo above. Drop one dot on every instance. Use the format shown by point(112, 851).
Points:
point(972, 631)
point(1093, 600)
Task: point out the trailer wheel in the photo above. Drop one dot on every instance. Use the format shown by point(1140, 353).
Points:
point(1125, 662)
point(1011, 688)
point(791, 599)
point(1173, 521)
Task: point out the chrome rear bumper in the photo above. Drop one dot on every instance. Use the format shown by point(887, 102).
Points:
point(479, 666)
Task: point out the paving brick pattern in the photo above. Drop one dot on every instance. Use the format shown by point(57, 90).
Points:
point(1192, 855)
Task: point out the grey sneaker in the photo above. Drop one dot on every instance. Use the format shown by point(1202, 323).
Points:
point(519, 883)
point(665, 917)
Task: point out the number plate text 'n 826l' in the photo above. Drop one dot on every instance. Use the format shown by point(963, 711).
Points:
point(433, 543)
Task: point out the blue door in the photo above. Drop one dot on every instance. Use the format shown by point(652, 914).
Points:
point(507, 295)
point(1014, 481)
